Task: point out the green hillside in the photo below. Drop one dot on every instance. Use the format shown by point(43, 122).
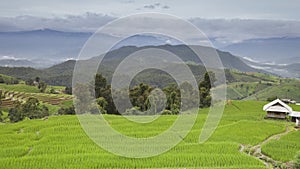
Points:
point(60, 142)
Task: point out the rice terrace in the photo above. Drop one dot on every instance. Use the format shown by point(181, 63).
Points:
point(127, 84)
point(243, 139)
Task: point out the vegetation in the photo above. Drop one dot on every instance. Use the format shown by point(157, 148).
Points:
point(55, 143)
point(30, 109)
point(140, 96)
point(296, 164)
point(285, 148)
point(8, 79)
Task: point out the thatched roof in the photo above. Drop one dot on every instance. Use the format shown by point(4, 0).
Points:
point(295, 114)
point(278, 106)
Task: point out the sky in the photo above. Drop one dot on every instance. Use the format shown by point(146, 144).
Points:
point(243, 9)
point(223, 20)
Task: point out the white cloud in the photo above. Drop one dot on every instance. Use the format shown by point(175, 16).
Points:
point(10, 58)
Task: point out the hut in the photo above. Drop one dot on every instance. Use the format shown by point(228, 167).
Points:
point(295, 117)
point(277, 109)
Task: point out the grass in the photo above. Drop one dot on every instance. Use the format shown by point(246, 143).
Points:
point(285, 148)
point(60, 142)
point(289, 88)
point(20, 88)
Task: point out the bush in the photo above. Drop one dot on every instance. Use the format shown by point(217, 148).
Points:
point(31, 109)
point(271, 98)
point(67, 110)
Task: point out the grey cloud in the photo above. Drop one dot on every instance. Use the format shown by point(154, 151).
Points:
point(156, 5)
point(234, 30)
point(165, 7)
point(88, 22)
point(149, 6)
point(221, 30)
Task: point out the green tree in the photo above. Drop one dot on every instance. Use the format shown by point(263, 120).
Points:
point(102, 89)
point(100, 85)
point(37, 79)
point(29, 82)
point(66, 110)
point(173, 95)
point(204, 89)
point(31, 109)
point(68, 90)
point(102, 103)
point(139, 96)
point(15, 113)
point(42, 86)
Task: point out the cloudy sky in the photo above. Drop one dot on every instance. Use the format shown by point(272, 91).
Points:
point(246, 9)
point(230, 20)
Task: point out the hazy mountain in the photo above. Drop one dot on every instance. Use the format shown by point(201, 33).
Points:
point(284, 70)
point(16, 63)
point(42, 47)
point(47, 47)
point(273, 50)
point(61, 74)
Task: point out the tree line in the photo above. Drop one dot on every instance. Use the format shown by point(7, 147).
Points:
point(141, 98)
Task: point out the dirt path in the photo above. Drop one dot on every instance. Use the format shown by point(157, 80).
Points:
point(256, 152)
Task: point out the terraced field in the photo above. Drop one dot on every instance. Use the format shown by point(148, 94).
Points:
point(60, 142)
point(285, 148)
point(10, 97)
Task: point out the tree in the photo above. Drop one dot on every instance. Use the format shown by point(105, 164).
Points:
point(173, 95)
point(68, 90)
point(297, 162)
point(102, 103)
point(100, 85)
point(66, 110)
point(42, 86)
point(204, 89)
point(1, 79)
point(29, 82)
point(83, 99)
point(37, 79)
point(139, 96)
point(31, 109)
point(15, 114)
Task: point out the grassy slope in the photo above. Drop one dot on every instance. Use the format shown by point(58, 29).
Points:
point(32, 91)
point(20, 88)
point(284, 149)
point(257, 86)
point(60, 142)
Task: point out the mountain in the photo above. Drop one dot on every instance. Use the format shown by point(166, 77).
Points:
point(61, 74)
point(16, 63)
point(283, 70)
point(273, 50)
point(42, 47)
point(48, 47)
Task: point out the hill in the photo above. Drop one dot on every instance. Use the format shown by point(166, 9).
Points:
point(61, 74)
point(283, 50)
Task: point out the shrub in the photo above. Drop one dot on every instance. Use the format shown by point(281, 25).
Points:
point(66, 111)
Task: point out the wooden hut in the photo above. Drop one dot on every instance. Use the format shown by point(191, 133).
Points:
point(277, 109)
point(295, 117)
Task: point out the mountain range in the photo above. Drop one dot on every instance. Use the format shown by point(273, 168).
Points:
point(44, 48)
point(61, 74)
